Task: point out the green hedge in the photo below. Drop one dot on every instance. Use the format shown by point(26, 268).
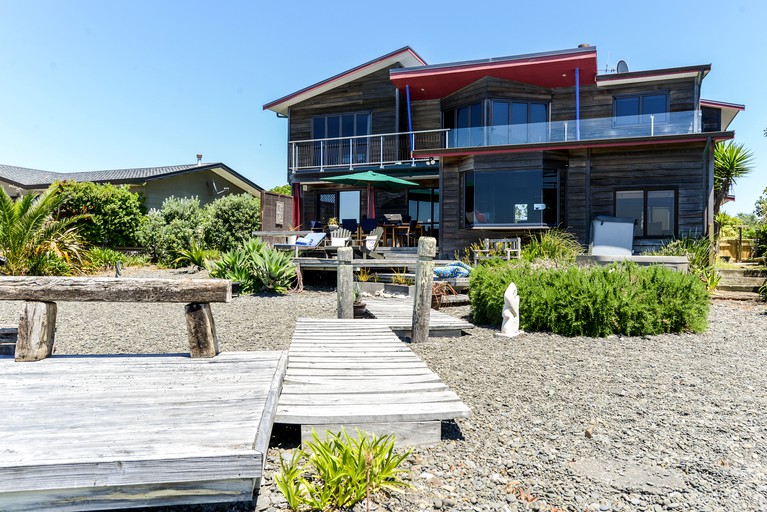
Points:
point(593, 301)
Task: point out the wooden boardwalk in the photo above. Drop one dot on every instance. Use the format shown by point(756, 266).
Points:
point(94, 432)
point(358, 374)
point(398, 315)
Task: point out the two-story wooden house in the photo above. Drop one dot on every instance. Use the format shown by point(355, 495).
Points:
point(509, 145)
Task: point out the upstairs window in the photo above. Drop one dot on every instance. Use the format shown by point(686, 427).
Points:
point(465, 125)
point(340, 151)
point(518, 122)
point(637, 109)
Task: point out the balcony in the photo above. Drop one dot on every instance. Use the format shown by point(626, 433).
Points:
point(397, 148)
point(363, 151)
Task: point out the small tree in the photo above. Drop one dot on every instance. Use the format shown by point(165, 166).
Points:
point(176, 227)
point(285, 190)
point(31, 240)
point(731, 162)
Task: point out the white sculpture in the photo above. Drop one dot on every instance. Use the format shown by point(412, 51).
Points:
point(510, 326)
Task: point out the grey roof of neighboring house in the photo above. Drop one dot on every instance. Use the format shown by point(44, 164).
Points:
point(29, 178)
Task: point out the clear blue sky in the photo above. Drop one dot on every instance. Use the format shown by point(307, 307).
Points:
point(87, 85)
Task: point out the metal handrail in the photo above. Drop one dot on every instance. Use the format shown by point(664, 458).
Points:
point(369, 136)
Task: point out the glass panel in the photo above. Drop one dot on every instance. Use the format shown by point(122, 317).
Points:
point(630, 204)
point(363, 124)
point(349, 204)
point(660, 213)
point(462, 132)
point(476, 124)
point(519, 123)
point(500, 129)
point(508, 197)
point(656, 105)
point(626, 111)
point(318, 128)
point(538, 126)
point(334, 127)
point(327, 207)
point(469, 198)
point(347, 126)
point(550, 195)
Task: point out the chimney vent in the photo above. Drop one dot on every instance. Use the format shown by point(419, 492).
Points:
point(584, 45)
point(199, 158)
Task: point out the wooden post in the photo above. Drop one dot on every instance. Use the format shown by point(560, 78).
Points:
point(345, 283)
point(37, 328)
point(424, 277)
point(202, 331)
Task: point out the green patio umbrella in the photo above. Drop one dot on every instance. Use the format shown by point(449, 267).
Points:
point(371, 180)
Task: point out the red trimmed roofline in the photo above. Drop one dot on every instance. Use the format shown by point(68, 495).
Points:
point(722, 104)
point(343, 74)
point(705, 68)
point(482, 66)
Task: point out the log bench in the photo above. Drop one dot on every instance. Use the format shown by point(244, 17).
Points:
point(37, 325)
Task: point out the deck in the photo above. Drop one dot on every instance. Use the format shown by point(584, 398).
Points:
point(94, 432)
point(398, 315)
point(358, 374)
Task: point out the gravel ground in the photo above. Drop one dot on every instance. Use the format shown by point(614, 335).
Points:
point(672, 422)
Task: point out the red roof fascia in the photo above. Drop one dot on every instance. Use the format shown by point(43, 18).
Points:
point(339, 76)
point(546, 71)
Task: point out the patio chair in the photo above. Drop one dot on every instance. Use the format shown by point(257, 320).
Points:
point(341, 237)
point(304, 243)
point(370, 244)
point(404, 233)
point(368, 225)
point(508, 246)
point(316, 226)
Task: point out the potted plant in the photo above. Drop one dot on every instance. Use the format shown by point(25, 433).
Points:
point(332, 224)
point(359, 307)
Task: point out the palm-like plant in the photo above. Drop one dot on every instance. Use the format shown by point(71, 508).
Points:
point(30, 237)
point(731, 162)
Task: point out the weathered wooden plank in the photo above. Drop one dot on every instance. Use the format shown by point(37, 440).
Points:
point(361, 413)
point(201, 330)
point(37, 329)
point(100, 498)
point(89, 289)
point(371, 398)
point(410, 433)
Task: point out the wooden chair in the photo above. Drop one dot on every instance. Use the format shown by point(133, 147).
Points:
point(507, 246)
point(339, 238)
point(370, 244)
point(404, 233)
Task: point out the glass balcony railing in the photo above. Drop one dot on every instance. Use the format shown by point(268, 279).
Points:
point(651, 125)
point(397, 148)
point(364, 150)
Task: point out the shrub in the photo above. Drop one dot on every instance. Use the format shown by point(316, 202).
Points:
point(257, 267)
point(102, 258)
point(697, 250)
point(593, 301)
point(177, 226)
point(552, 244)
point(340, 471)
point(230, 220)
point(115, 213)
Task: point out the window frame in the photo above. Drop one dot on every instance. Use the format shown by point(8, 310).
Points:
point(466, 224)
point(640, 97)
point(645, 190)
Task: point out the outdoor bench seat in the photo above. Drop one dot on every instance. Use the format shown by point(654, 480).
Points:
point(37, 325)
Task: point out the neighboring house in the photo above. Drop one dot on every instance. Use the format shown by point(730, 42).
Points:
point(509, 145)
point(206, 181)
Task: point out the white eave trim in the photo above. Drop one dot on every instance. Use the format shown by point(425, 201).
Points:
point(607, 80)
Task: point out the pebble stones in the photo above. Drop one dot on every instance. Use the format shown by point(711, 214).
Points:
point(654, 424)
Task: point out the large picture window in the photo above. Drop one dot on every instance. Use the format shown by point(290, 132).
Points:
point(653, 211)
point(636, 109)
point(465, 125)
point(511, 198)
point(518, 122)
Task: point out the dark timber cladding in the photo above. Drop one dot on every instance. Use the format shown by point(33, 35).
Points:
point(373, 93)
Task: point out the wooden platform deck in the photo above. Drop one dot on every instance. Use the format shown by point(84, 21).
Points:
point(398, 315)
point(96, 432)
point(358, 374)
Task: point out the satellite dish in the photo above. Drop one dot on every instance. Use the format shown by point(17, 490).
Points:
point(622, 67)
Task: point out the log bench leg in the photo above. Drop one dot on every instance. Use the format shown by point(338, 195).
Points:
point(37, 328)
point(202, 331)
